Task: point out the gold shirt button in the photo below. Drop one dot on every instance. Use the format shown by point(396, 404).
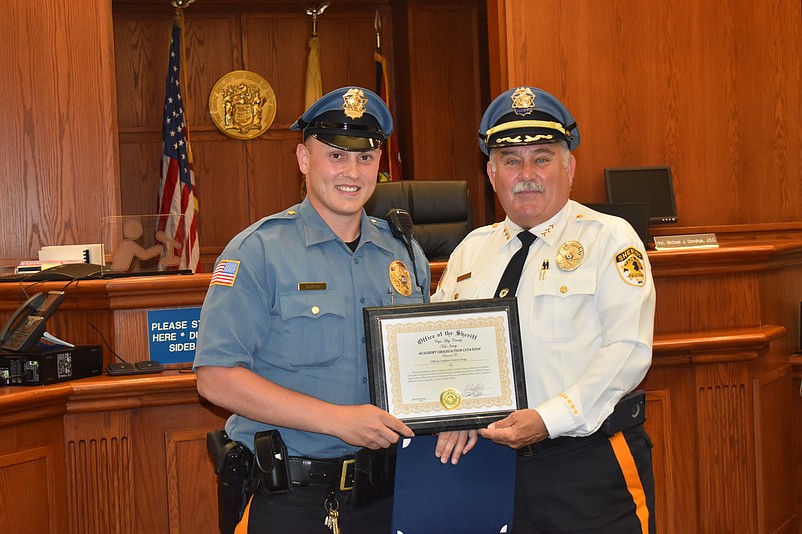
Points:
point(563, 289)
point(315, 310)
point(456, 296)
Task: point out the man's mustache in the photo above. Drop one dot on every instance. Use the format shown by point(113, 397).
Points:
point(528, 187)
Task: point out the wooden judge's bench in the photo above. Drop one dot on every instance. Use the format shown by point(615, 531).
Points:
point(128, 454)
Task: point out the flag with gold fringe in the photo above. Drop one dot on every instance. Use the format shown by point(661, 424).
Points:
point(177, 186)
point(390, 163)
point(314, 81)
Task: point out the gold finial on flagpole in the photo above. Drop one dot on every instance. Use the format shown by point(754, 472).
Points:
point(314, 12)
point(181, 4)
point(377, 24)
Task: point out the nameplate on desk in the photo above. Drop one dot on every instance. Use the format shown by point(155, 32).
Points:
point(690, 241)
point(172, 334)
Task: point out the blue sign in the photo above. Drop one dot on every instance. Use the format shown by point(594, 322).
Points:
point(172, 334)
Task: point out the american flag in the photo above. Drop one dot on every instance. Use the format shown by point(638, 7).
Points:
point(177, 187)
point(225, 273)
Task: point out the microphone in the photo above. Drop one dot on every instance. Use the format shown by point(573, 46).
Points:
point(401, 226)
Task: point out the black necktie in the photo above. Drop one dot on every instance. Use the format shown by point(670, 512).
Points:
point(512, 274)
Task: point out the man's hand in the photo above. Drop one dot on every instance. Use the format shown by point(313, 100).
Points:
point(520, 428)
point(241, 391)
point(367, 426)
point(452, 445)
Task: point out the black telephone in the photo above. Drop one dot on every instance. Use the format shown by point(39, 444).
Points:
point(27, 325)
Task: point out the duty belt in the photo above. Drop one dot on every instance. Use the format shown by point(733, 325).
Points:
point(334, 473)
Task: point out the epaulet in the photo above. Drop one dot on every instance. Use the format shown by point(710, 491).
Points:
point(379, 223)
point(287, 214)
point(586, 214)
point(485, 230)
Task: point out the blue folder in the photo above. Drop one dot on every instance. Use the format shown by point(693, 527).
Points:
point(475, 496)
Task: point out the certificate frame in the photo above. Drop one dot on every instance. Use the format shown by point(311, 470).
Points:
point(468, 352)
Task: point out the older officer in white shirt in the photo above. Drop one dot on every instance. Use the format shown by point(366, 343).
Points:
point(586, 303)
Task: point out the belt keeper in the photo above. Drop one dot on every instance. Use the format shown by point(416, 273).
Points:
point(305, 472)
point(344, 476)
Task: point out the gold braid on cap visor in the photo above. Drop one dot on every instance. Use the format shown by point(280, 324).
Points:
point(528, 124)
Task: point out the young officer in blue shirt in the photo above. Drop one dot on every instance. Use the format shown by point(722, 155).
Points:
point(282, 340)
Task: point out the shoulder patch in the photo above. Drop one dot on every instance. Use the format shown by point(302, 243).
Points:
point(225, 273)
point(630, 266)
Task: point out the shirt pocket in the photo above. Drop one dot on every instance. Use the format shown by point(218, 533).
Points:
point(312, 327)
point(396, 299)
point(468, 289)
point(559, 305)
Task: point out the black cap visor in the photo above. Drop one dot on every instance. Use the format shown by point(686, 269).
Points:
point(348, 142)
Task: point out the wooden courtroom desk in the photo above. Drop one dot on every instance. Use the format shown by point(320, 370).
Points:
point(128, 454)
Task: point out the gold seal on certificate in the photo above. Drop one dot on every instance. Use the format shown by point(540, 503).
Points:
point(399, 277)
point(450, 398)
point(242, 104)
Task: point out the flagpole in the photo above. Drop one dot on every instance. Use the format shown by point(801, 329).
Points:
point(390, 163)
point(178, 201)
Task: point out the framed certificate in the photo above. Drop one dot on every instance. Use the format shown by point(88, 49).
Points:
point(446, 366)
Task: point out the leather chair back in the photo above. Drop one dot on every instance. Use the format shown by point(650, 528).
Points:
point(440, 211)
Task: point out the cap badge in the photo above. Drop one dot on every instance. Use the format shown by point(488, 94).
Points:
point(523, 101)
point(355, 103)
point(570, 255)
point(399, 277)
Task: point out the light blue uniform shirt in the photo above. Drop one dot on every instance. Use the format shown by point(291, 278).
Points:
point(307, 340)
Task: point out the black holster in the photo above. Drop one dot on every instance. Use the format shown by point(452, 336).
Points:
point(233, 462)
point(630, 411)
point(374, 475)
point(272, 465)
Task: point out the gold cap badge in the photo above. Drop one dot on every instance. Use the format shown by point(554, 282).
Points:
point(570, 255)
point(355, 103)
point(399, 277)
point(523, 101)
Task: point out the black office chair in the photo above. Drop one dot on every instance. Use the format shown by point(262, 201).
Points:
point(440, 211)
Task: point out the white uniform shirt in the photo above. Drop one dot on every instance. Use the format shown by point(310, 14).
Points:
point(586, 325)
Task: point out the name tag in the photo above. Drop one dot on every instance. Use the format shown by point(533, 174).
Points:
point(311, 286)
point(462, 277)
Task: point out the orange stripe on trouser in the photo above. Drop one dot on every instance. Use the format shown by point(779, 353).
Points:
point(242, 526)
point(632, 478)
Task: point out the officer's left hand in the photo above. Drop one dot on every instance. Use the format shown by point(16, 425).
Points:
point(520, 428)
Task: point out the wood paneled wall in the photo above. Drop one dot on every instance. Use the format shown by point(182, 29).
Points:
point(710, 88)
point(58, 139)
point(85, 88)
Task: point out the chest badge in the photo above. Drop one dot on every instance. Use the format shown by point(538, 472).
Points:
point(399, 277)
point(570, 255)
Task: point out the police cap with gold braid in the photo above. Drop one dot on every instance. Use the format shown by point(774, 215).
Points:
point(526, 116)
point(349, 118)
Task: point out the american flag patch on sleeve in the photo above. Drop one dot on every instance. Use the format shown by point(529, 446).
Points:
point(225, 273)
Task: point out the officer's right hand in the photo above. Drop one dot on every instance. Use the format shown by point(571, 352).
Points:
point(367, 426)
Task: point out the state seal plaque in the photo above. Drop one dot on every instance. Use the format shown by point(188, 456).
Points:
point(242, 104)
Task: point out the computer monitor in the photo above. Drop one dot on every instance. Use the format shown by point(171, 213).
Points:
point(635, 213)
point(653, 185)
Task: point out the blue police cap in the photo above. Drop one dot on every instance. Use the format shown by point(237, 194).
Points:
point(526, 116)
point(349, 118)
